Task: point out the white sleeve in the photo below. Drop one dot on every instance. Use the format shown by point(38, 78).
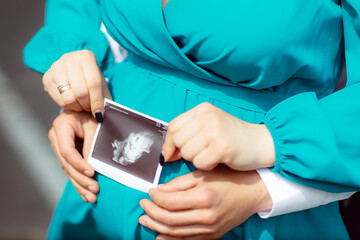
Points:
point(290, 197)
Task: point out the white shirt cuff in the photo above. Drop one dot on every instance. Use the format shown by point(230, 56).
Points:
point(290, 197)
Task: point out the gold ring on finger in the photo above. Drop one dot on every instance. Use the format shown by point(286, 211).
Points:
point(64, 87)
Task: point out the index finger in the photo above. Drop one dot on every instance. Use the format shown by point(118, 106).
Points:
point(181, 200)
point(193, 198)
point(180, 183)
point(94, 78)
point(78, 85)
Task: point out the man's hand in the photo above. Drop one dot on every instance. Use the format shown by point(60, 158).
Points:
point(66, 127)
point(204, 204)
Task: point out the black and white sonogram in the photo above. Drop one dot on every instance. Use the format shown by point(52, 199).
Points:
point(132, 148)
point(127, 147)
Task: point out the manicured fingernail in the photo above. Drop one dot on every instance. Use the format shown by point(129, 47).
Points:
point(85, 200)
point(142, 222)
point(98, 116)
point(87, 173)
point(91, 188)
point(161, 159)
point(160, 238)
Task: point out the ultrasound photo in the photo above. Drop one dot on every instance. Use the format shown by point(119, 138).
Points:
point(127, 147)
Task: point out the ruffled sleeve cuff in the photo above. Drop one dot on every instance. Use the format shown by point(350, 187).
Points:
point(49, 44)
point(306, 149)
point(289, 128)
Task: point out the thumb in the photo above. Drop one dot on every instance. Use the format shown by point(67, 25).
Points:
point(175, 154)
point(89, 133)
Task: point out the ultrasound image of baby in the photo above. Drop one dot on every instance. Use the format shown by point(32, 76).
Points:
point(132, 148)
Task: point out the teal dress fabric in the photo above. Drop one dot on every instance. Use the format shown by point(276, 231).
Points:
point(272, 62)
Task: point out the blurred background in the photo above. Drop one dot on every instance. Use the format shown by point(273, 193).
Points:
point(31, 179)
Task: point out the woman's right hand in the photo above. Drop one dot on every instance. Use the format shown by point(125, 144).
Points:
point(66, 127)
point(75, 82)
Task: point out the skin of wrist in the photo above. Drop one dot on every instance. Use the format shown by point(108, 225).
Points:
point(264, 199)
point(266, 156)
point(258, 194)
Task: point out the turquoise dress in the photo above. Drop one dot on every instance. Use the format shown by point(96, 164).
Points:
point(272, 62)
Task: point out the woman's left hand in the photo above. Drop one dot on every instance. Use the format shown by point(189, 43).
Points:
point(208, 136)
point(204, 204)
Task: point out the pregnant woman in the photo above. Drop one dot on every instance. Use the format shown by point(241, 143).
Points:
point(245, 85)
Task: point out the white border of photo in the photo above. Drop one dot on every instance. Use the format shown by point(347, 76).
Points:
point(118, 174)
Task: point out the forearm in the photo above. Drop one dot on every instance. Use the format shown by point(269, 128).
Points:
point(69, 26)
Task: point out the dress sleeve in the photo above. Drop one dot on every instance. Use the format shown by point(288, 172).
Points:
point(317, 141)
point(69, 26)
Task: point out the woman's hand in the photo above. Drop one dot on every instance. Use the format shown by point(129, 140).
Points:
point(208, 136)
point(204, 204)
point(75, 82)
point(66, 127)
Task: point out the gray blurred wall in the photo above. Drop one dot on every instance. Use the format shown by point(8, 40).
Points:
point(30, 176)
